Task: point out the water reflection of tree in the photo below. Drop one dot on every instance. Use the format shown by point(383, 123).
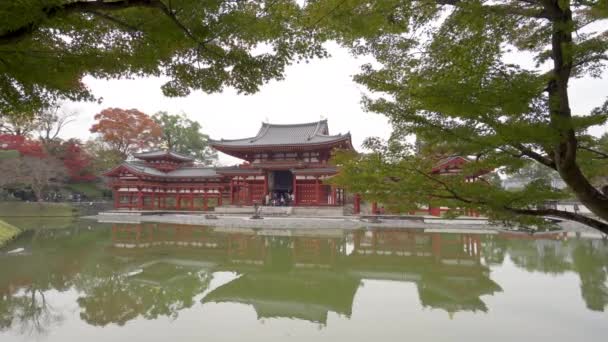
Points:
point(494, 250)
point(546, 256)
point(587, 257)
point(121, 298)
point(29, 311)
point(590, 260)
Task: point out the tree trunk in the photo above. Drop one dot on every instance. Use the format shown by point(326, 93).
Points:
point(565, 149)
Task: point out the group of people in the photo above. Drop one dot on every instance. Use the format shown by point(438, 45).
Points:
point(279, 199)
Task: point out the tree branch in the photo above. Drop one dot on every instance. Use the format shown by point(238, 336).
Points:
point(537, 13)
point(115, 21)
point(84, 6)
point(536, 156)
point(602, 155)
point(586, 220)
point(447, 188)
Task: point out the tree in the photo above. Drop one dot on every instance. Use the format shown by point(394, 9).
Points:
point(103, 157)
point(126, 130)
point(17, 125)
point(47, 46)
point(183, 135)
point(34, 172)
point(443, 76)
point(19, 143)
point(75, 159)
point(51, 121)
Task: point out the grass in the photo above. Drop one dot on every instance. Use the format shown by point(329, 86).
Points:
point(36, 209)
point(8, 154)
point(7, 232)
point(34, 215)
point(88, 189)
point(34, 223)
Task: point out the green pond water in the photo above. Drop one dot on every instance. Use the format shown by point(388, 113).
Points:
point(161, 282)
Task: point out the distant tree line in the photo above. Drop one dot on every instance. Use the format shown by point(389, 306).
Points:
point(35, 160)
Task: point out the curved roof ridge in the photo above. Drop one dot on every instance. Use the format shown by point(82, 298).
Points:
point(339, 135)
point(295, 125)
point(262, 132)
point(198, 167)
point(161, 152)
point(316, 131)
point(230, 140)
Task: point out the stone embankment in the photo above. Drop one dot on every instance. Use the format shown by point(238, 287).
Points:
point(428, 223)
point(296, 222)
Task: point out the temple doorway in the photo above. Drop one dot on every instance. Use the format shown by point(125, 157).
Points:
point(280, 184)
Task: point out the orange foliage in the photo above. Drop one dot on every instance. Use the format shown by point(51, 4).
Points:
point(126, 130)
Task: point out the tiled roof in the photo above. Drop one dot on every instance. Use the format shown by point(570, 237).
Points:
point(162, 153)
point(295, 134)
point(449, 160)
point(194, 172)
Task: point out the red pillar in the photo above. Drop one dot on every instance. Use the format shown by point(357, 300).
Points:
point(435, 211)
point(250, 186)
point(231, 191)
point(178, 205)
point(333, 195)
point(116, 199)
point(317, 191)
point(374, 208)
point(357, 204)
point(265, 184)
point(140, 199)
point(191, 199)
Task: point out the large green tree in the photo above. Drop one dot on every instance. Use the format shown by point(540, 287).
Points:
point(446, 74)
point(185, 136)
point(47, 46)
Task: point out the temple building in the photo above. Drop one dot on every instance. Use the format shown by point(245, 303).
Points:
point(286, 163)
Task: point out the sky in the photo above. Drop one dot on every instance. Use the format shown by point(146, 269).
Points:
point(320, 89)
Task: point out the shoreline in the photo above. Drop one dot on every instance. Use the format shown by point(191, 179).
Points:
point(345, 222)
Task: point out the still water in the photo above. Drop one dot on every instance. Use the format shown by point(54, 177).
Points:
point(159, 282)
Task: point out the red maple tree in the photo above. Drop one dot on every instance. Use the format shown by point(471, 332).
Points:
point(24, 146)
point(126, 130)
point(76, 161)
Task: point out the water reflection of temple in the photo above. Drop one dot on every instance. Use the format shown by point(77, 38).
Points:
point(446, 268)
point(307, 273)
point(150, 271)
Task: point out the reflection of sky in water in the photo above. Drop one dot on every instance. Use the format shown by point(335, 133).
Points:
point(342, 286)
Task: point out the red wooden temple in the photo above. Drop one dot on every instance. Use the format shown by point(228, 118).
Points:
point(289, 161)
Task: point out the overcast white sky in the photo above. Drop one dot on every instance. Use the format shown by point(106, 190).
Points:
point(319, 89)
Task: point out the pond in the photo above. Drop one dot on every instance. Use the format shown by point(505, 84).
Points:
point(160, 282)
